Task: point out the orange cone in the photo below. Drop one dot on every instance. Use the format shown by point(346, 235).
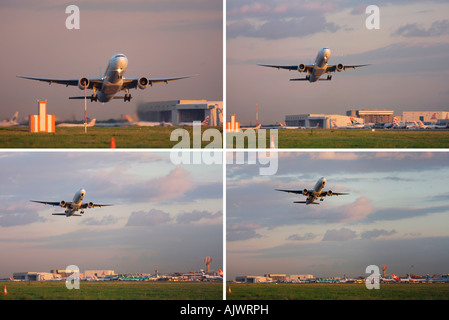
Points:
point(272, 145)
point(229, 291)
point(5, 292)
point(112, 143)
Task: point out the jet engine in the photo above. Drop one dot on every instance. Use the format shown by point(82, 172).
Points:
point(62, 203)
point(90, 204)
point(142, 83)
point(83, 82)
point(329, 193)
point(301, 68)
point(340, 67)
point(305, 192)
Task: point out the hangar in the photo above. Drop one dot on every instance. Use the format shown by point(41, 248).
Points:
point(372, 116)
point(179, 112)
point(321, 121)
point(429, 117)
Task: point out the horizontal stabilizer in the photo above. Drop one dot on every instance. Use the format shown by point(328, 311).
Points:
point(79, 97)
point(299, 202)
point(58, 214)
point(299, 79)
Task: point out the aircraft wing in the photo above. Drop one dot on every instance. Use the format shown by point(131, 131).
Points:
point(132, 83)
point(291, 191)
point(295, 67)
point(57, 204)
point(94, 205)
point(94, 82)
point(334, 67)
point(327, 193)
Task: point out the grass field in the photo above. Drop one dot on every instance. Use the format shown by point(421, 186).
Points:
point(356, 138)
point(98, 137)
point(340, 291)
point(114, 290)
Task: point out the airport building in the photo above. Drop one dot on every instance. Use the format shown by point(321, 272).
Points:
point(251, 279)
point(35, 276)
point(178, 112)
point(321, 121)
point(428, 117)
point(372, 116)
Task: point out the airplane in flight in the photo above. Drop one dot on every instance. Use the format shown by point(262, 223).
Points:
point(315, 193)
point(316, 70)
point(76, 204)
point(108, 85)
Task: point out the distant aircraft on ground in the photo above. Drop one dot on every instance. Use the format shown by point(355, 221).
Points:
point(314, 194)
point(108, 85)
point(75, 205)
point(138, 123)
point(89, 124)
point(354, 125)
point(316, 70)
point(11, 122)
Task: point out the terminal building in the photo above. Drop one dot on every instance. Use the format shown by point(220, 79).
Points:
point(179, 112)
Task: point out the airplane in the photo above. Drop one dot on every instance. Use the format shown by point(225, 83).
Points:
point(89, 124)
point(398, 279)
point(108, 85)
point(74, 206)
point(11, 122)
point(431, 126)
point(316, 70)
point(314, 194)
point(138, 123)
point(211, 277)
point(354, 125)
point(205, 122)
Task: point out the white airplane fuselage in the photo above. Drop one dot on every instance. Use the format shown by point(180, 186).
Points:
point(113, 77)
point(320, 67)
point(319, 185)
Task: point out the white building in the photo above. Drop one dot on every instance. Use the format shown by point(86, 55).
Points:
point(320, 121)
point(181, 111)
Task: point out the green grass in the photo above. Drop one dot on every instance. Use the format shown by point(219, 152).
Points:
point(97, 137)
point(114, 290)
point(356, 138)
point(322, 291)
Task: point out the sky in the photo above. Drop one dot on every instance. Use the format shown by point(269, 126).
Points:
point(163, 216)
point(408, 55)
point(160, 39)
point(396, 214)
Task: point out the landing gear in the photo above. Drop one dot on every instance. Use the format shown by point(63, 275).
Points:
point(329, 77)
point(82, 211)
point(94, 97)
point(127, 95)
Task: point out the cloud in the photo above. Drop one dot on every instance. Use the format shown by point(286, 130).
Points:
point(282, 28)
point(196, 216)
point(19, 214)
point(240, 232)
point(375, 233)
point(107, 220)
point(152, 218)
point(304, 237)
point(343, 234)
point(438, 28)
